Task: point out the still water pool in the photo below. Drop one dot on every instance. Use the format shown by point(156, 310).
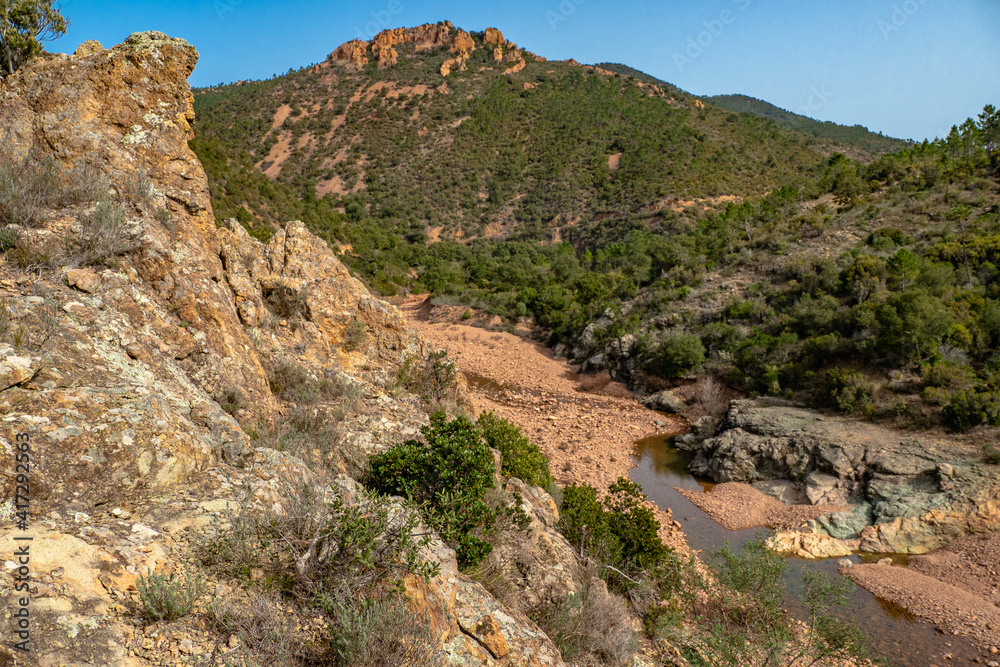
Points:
point(895, 634)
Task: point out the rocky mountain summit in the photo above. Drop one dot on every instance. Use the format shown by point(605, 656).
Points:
point(381, 49)
point(165, 387)
point(911, 493)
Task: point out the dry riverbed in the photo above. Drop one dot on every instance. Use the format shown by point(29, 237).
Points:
point(589, 438)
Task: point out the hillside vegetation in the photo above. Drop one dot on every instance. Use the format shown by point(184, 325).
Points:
point(858, 136)
point(869, 144)
point(650, 234)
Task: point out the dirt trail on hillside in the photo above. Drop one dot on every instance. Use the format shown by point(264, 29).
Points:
point(589, 438)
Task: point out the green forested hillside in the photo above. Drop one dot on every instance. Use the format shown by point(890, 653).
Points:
point(553, 141)
point(871, 144)
point(855, 135)
point(630, 224)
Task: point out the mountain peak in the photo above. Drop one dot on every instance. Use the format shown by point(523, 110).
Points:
point(382, 49)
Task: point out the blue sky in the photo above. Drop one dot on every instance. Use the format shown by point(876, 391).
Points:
point(907, 68)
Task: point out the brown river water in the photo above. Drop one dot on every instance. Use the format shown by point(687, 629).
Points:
point(894, 634)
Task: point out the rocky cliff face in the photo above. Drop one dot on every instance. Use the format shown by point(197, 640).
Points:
point(137, 382)
point(382, 48)
point(911, 493)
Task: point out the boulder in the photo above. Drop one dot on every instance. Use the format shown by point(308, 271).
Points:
point(665, 401)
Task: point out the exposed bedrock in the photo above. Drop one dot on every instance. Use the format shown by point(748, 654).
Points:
point(912, 493)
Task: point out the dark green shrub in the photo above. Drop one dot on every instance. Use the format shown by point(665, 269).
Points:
point(521, 458)
point(847, 391)
point(991, 454)
point(677, 355)
point(584, 522)
point(947, 375)
point(617, 530)
point(970, 408)
point(448, 478)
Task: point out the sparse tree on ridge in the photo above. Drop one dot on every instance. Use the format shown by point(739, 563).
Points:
point(989, 130)
point(24, 25)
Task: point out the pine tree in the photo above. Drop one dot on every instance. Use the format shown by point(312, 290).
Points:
point(24, 25)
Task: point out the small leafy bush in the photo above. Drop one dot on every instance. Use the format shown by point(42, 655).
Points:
point(678, 355)
point(618, 530)
point(521, 458)
point(448, 478)
point(970, 408)
point(847, 391)
point(167, 597)
point(991, 453)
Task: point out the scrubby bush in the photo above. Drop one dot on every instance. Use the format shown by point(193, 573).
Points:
point(290, 381)
point(167, 597)
point(285, 301)
point(9, 237)
point(343, 560)
point(230, 399)
point(430, 376)
point(26, 187)
point(521, 458)
point(590, 624)
point(970, 408)
point(448, 477)
point(677, 355)
point(355, 335)
point(103, 236)
point(846, 390)
point(618, 530)
point(747, 624)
